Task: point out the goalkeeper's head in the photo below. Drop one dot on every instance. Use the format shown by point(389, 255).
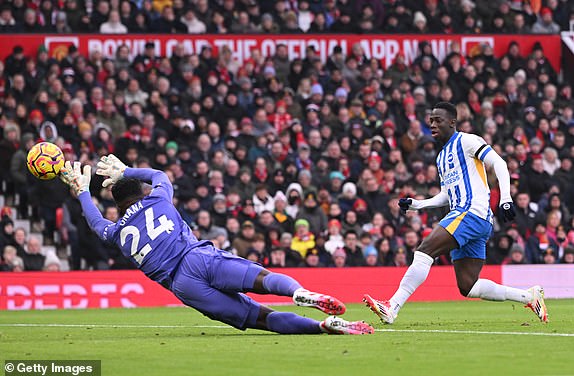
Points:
point(126, 192)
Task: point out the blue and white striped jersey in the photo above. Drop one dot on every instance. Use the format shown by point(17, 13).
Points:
point(463, 175)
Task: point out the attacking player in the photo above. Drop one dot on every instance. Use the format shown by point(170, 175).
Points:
point(464, 231)
point(152, 235)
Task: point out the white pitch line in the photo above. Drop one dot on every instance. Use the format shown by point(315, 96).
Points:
point(440, 331)
point(476, 332)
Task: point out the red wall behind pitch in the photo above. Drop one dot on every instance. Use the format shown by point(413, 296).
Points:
point(44, 290)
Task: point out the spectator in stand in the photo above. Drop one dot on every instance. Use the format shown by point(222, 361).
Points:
point(10, 261)
point(303, 239)
point(113, 25)
point(545, 24)
point(33, 258)
point(193, 24)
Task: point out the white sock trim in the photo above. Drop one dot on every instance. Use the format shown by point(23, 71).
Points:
point(423, 257)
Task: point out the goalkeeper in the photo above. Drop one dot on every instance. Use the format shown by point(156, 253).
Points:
point(153, 236)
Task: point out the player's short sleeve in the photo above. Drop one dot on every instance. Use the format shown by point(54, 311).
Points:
point(476, 147)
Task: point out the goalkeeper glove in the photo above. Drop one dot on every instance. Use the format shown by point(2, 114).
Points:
point(79, 182)
point(506, 212)
point(111, 167)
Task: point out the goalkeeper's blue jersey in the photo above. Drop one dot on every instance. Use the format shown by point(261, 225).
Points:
point(151, 233)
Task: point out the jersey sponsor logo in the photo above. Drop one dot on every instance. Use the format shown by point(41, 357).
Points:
point(452, 177)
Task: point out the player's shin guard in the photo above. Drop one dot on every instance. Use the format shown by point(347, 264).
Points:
point(290, 323)
point(489, 290)
point(280, 284)
point(413, 278)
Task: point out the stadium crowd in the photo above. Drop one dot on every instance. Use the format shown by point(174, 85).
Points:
point(289, 162)
point(285, 16)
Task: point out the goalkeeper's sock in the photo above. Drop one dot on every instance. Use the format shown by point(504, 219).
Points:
point(489, 290)
point(416, 274)
point(290, 323)
point(280, 284)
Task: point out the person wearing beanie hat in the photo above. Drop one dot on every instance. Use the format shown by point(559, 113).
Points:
point(341, 92)
point(312, 212)
point(465, 230)
point(371, 256)
point(339, 257)
point(335, 237)
point(420, 22)
point(317, 89)
point(52, 262)
point(545, 23)
point(303, 238)
point(201, 276)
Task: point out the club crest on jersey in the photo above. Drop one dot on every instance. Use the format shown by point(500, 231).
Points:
point(450, 160)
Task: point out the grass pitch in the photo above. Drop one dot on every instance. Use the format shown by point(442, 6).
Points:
point(454, 338)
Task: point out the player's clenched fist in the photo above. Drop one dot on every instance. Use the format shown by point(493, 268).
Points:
point(506, 212)
point(409, 204)
point(73, 176)
point(111, 167)
point(405, 204)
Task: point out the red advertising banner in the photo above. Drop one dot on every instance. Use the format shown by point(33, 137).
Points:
point(107, 289)
point(44, 290)
point(383, 47)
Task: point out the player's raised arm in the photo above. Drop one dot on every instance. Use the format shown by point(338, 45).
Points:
point(115, 170)
point(79, 182)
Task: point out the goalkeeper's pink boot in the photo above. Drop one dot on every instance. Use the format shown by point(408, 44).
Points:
point(336, 325)
point(381, 308)
point(325, 303)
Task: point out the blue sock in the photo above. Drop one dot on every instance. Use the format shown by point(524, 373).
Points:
point(280, 284)
point(290, 323)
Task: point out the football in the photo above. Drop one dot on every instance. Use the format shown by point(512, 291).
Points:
point(45, 160)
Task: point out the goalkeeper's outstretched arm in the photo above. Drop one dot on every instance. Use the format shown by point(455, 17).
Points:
point(114, 169)
point(159, 181)
point(79, 183)
point(94, 217)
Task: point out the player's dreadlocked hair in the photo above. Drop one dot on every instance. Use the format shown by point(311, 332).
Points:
point(126, 189)
point(448, 107)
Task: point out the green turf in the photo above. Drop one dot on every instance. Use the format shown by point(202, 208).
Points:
point(209, 350)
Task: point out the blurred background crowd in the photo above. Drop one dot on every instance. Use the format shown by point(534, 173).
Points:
point(289, 162)
point(285, 16)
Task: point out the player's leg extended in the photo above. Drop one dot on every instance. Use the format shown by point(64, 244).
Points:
point(439, 242)
point(242, 312)
point(290, 323)
point(470, 285)
point(281, 284)
point(238, 274)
